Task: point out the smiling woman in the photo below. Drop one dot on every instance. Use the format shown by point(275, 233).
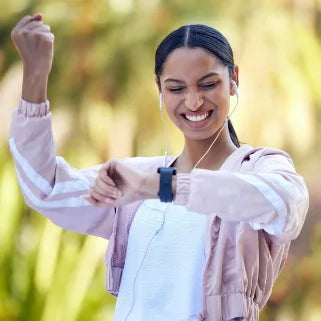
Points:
point(196, 82)
point(203, 237)
point(196, 88)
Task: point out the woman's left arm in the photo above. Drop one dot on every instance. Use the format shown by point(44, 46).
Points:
point(272, 197)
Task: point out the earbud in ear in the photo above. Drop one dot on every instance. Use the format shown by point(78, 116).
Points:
point(160, 101)
point(235, 87)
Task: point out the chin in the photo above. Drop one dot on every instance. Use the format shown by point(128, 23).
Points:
point(199, 136)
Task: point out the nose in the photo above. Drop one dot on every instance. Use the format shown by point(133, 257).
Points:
point(193, 100)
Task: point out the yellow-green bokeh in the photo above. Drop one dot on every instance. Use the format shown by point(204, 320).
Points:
point(105, 104)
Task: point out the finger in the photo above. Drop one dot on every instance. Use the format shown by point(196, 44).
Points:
point(24, 21)
point(37, 17)
point(106, 189)
point(92, 201)
point(33, 24)
point(103, 193)
point(110, 167)
point(50, 36)
point(109, 201)
point(41, 27)
point(88, 198)
point(107, 179)
point(98, 196)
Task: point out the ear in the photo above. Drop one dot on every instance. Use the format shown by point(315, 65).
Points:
point(235, 77)
point(158, 84)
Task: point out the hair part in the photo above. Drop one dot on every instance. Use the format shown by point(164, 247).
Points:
point(197, 36)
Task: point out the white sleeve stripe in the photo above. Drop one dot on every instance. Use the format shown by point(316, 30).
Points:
point(277, 202)
point(38, 180)
point(78, 185)
point(38, 203)
point(287, 186)
point(69, 187)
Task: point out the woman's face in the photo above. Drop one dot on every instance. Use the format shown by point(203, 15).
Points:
point(196, 90)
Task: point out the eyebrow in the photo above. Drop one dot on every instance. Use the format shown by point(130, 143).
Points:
point(202, 78)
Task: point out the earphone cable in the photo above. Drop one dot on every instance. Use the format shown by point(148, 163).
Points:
point(225, 122)
point(165, 138)
point(164, 126)
point(141, 264)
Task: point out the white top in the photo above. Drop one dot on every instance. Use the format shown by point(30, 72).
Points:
point(163, 272)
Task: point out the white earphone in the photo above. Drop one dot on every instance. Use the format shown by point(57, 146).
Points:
point(160, 101)
point(235, 87)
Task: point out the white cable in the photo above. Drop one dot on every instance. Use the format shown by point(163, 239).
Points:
point(164, 125)
point(225, 122)
point(141, 263)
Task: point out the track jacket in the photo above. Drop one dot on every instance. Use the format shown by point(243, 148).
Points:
point(255, 205)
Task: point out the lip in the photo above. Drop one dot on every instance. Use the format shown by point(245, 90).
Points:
point(199, 124)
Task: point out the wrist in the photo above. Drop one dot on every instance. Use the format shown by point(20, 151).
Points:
point(34, 86)
point(150, 186)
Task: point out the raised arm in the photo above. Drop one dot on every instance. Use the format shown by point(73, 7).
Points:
point(49, 184)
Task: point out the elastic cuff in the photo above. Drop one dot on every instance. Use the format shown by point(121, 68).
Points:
point(29, 109)
point(183, 182)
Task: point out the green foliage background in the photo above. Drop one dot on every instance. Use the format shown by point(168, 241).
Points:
point(104, 103)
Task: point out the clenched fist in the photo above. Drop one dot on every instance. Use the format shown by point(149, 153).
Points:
point(119, 184)
point(34, 42)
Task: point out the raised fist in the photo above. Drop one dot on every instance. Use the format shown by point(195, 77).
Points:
point(34, 42)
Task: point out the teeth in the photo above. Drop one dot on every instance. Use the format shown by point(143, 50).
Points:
point(197, 118)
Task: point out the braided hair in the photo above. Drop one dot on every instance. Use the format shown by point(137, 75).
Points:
point(202, 36)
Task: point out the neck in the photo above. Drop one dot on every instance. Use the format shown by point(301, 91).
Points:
point(194, 150)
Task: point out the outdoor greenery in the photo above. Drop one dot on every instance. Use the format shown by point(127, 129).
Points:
point(104, 103)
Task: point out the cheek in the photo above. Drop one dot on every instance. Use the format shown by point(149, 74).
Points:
point(172, 102)
point(220, 97)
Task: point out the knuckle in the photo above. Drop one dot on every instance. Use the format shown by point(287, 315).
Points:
point(13, 34)
point(95, 195)
point(101, 170)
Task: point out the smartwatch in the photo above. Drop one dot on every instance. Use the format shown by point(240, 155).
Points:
point(165, 192)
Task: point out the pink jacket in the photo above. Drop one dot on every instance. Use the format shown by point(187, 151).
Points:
point(255, 205)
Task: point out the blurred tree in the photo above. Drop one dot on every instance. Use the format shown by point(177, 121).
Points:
point(104, 103)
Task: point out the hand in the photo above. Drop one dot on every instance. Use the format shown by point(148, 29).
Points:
point(116, 184)
point(34, 42)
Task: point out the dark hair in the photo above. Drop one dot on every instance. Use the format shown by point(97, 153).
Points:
point(202, 36)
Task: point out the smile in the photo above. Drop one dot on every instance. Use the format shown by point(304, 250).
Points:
point(198, 118)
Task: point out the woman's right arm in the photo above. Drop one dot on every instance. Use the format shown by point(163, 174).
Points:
point(49, 184)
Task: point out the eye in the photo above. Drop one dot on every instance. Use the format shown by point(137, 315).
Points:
point(209, 85)
point(176, 89)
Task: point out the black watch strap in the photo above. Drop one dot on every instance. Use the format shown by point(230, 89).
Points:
point(165, 183)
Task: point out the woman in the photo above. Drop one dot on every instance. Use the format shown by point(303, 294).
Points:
point(203, 243)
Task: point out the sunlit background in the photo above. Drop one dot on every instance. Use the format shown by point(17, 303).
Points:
point(104, 103)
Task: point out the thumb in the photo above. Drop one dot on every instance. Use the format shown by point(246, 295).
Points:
point(110, 167)
point(37, 17)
